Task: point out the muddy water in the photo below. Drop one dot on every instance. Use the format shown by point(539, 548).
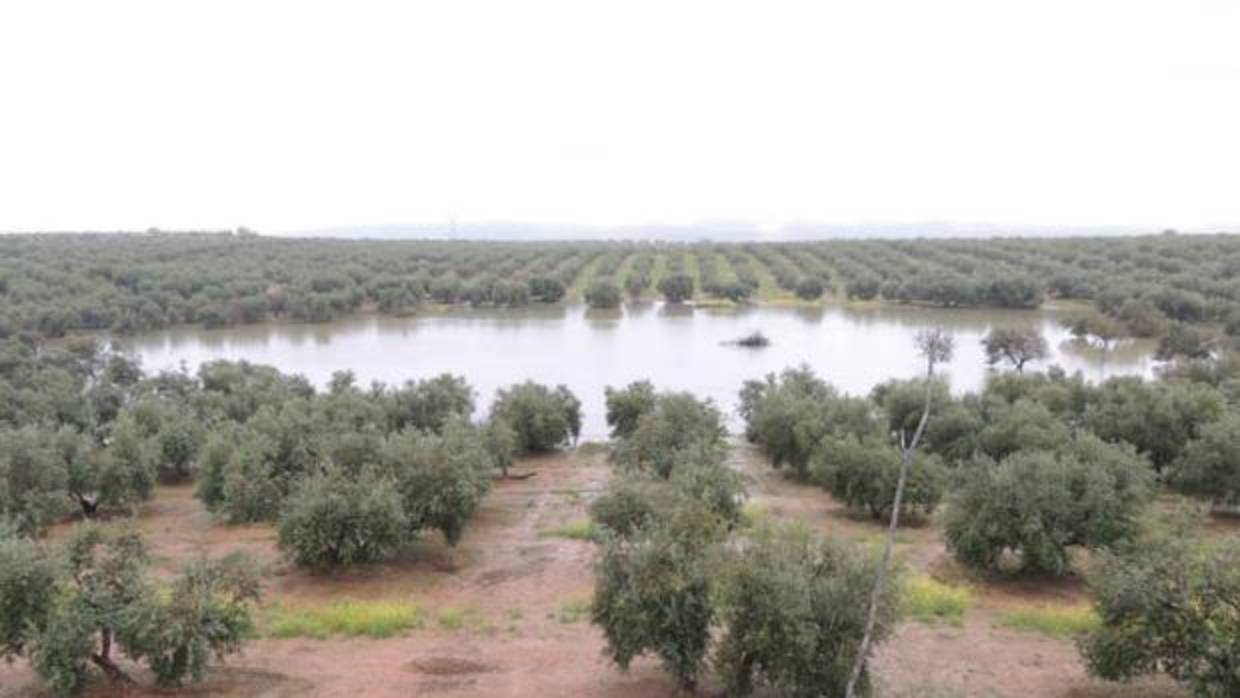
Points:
point(676, 347)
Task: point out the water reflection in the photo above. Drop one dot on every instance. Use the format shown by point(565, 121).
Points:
point(677, 347)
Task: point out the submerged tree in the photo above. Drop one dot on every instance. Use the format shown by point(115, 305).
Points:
point(1016, 346)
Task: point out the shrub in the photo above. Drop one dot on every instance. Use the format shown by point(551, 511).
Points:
point(32, 481)
point(864, 473)
point(630, 504)
point(27, 586)
point(206, 614)
point(603, 294)
point(1209, 467)
point(334, 518)
point(679, 427)
point(793, 610)
point(789, 413)
point(428, 404)
point(626, 405)
point(676, 288)
point(1038, 503)
point(652, 593)
point(1168, 604)
point(809, 289)
point(543, 419)
point(441, 478)
point(1158, 418)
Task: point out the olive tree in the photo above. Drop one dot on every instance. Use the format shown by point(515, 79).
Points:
point(1169, 604)
point(653, 593)
point(1015, 346)
point(864, 473)
point(32, 478)
point(441, 478)
point(543, 419)
point(678, 427)
point(603, 295)
point(793, 607)
point(790, 413)
point(336, 518)
point(626, 405)
point(676, 288)
point(68, 610)
point(1209, 466)
point(1036, 504)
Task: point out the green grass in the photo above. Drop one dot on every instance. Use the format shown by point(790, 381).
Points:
point(754, 513)
point(464, 619)
point(579, 530)
point(378, 619)
point(1063, 623)
point(930, 601)
point(574, 611)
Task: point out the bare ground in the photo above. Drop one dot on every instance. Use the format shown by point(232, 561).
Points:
point(514, 579)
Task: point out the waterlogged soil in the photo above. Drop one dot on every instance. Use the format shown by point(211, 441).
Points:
point(519, 588)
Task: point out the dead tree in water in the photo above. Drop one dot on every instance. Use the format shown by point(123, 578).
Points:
point(935, 346)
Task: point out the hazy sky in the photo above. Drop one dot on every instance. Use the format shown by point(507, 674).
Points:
point(284, 115)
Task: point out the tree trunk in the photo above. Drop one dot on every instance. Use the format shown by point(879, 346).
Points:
point(103, 660)
point(880, 579)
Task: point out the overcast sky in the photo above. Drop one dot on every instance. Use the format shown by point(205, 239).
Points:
point(287, 115)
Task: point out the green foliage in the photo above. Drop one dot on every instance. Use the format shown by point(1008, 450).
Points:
point(603, 294)
point(864, 474)
point(429, 404)
point(543, 419)
point(652, 593)
point(790, 413)
point(32, 479)
point(631, 504)
point(206, 613)
point(1169, 604)
point(626, 405)
point(1209, 467)
point(334, 518)
point(809, 289)
point(1158, 418)
point(793, 608)
point(1036, 504)
point(678, 429)
point(676, 288)
point(1015, 346)
point(441, 478)
point(68, 611)
point(27, 591)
